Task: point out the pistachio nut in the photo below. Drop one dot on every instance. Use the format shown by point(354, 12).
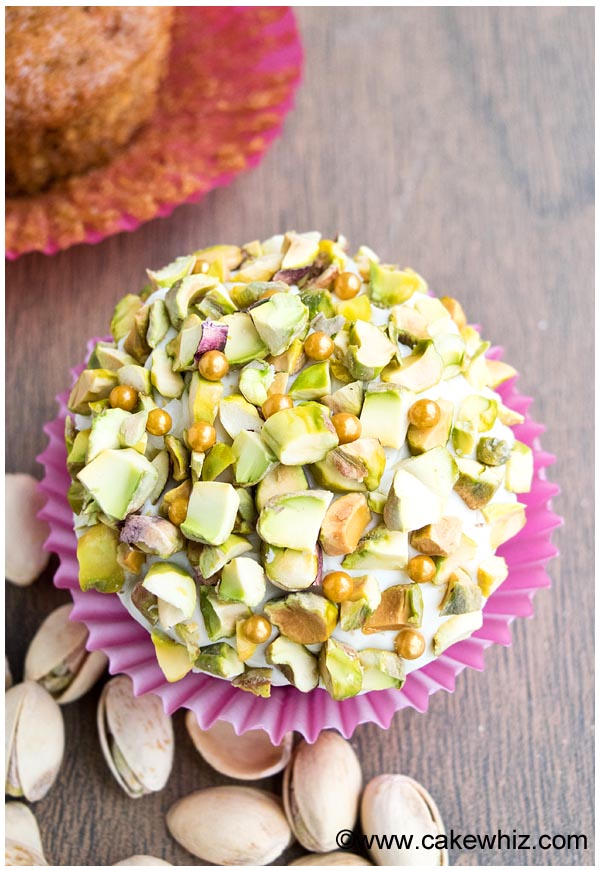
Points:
point(142, 861)
point(33, 751)
point(245, 756)
point(58, 660)
point(25, 534)
point(136, 737)
point(7, 675)
point(321, 791)
point(231, 824)
point(21, 827)
point(393, 803)
point(331, 859)
point(20, 855)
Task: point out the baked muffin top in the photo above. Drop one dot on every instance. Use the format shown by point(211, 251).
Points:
point(293, 467)
point(61, 58)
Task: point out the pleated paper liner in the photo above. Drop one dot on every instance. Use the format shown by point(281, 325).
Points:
point(232, 75)
point(130, 650)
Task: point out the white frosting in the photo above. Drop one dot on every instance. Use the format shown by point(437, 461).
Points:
point(473, 525)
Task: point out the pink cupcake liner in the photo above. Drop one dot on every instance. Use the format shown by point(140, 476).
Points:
point(130, 650)
point(231, 81)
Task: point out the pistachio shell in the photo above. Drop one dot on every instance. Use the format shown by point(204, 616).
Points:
point(7, 675)
point(230, 825)
point(398, 804)
point(20, 825)
point(331, 859)
point(321, 790)
point(25, 557)
point(20, 855)
point(136, 737)
point(59, 646)
point(142, 861)
point(33, 754)
point(248, 756)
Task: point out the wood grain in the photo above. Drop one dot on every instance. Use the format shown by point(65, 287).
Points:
point(458, 141)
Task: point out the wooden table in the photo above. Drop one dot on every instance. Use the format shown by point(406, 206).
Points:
point(458, 141)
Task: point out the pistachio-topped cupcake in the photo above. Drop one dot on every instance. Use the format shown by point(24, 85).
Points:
point(292, 466)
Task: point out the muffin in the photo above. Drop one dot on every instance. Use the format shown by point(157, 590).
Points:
point(292, 467)
point(80, 80)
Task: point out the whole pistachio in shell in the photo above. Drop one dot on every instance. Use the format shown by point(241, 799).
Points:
point(34, 741)
point(321, 791)
point(230, 825)
point(397, 804)
point(331, 859)
point(25, 534)
point(58, 660)
point(246, 756)
point(142, 861)
point(20, 826)
point(20, 855)
point(136, 737)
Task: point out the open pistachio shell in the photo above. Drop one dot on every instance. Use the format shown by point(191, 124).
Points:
point(399, 804)
point(248, 756)
point(230, 825)
point(58, 660)
point(20, 825)
point(331, 859)
point(142, 861)
point(34, 741)
point(136, 737)
point(20, 855)
point(321, 790)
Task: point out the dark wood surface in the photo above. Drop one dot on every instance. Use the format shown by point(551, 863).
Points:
point(458, 141)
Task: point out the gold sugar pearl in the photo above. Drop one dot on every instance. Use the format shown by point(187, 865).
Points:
point(409, 644)
point(257, 628)
point(347, 285)
point(201, 436)
point(213, 365)
point(123, 397)
point(159, 422)
point(338, 586)
point(424, 414)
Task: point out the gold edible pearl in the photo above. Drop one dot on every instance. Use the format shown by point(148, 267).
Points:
point(409, 644)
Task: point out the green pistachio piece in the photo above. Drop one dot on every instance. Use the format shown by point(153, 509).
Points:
point(180, 457)
point(123, 316)
point(220, 616)
point(219, 659)
point(390, 285)
point(280, 320)
point(158, 323)
point(203, 399)
point(91, 385)
point(119, 480)
point(184, 293)
point(168, 383)
point(255, 680)
point(493, 451)
point(136, 377)
point(340, 669)
point(218, 458)
point(212, 559)
point(97, 557)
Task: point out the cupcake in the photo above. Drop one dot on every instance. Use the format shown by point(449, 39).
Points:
point(80, 80)
point(292, 467)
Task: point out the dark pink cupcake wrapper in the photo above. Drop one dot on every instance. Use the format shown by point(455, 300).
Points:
point(130, 650)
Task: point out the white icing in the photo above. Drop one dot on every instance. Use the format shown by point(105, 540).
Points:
point(473, 525)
